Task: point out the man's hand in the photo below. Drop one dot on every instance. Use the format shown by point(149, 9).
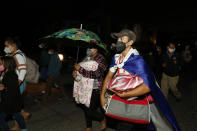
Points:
point(19, 82)
point(103, 100)
point(77, 66)
point(74, 73)
point(2, 87)
point(120, 94)
point(104, 88)
point(138, 91)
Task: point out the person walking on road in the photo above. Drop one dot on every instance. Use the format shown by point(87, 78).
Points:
point(44, 61)
point(54, 71)
point(127, 60)
point(171, 70)
point(96, 75)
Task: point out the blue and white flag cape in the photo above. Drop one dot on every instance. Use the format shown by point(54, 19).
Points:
point(135, 64)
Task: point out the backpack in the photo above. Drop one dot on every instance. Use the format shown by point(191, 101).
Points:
point(33, 74)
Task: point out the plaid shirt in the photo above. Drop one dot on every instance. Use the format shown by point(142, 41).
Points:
point(99, 73)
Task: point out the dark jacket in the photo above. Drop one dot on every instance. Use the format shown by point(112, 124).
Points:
point(171, 68)
point(11, 100)
point(54, 68)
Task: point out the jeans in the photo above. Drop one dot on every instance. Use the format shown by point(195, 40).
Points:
point(92, 113)
point(22, 87)
point(17, 116)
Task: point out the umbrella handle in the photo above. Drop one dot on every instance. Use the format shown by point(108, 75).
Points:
point(81, 26)
point(77, 53)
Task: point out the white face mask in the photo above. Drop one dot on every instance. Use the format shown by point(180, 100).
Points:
point(7, 50)
point(40, 46)
point(171, 50)
point(50, 53)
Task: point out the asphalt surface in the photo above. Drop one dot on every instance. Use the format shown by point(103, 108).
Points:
point(60, 113)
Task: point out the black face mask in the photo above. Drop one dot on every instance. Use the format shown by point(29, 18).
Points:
point(120, 47)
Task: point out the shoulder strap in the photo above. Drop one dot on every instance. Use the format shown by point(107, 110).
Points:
point(14, 55)
point(20, 53)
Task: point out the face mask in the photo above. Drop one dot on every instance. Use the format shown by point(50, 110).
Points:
point(7, 50)
point(171, 50)
point(158, 49)
point(40, 46)
point(50, 53)
point(89, 53)
point(2, 68)
point(120, 47)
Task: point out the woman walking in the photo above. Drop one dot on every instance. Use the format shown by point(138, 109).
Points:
point(10, 98)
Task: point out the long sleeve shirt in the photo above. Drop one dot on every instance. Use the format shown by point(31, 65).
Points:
point(20, 60)
point(172, 69)
point(99, 73)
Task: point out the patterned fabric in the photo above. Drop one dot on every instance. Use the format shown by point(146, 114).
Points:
point(97, 74)
point(124, 82)
point(89, 65)
point(83, 86)
point(78, 34)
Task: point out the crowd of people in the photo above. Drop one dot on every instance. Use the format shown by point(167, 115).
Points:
point(158, 68)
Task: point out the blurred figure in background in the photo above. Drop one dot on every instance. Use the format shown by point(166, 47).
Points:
point(54, 71)
point(44, 61)
point(171, 70)
point(193, 61)
point(158, 70)
point(187, 57)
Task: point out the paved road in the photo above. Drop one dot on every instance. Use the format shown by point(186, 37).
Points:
point(64, 115)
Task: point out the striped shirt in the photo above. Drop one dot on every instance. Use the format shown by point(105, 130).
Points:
point(20, 60)
point(99, 73)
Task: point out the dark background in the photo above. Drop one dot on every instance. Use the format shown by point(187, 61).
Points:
point(31, 20)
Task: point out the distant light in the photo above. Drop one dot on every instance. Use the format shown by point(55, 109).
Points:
point(179, 44)
point(61, 56)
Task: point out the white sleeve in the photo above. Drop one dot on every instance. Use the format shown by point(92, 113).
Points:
point(22, 74)
point(21, 66)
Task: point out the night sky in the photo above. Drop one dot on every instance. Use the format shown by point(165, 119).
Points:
point(31, 20)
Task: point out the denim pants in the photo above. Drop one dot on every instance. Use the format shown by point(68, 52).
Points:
point(17, 116)
point(22, 87)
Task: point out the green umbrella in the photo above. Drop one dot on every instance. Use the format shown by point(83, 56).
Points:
point(79, 34)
